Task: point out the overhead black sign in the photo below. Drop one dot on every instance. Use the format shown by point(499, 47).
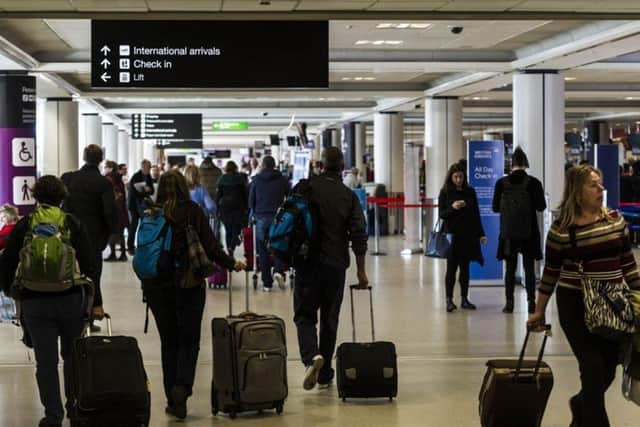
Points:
point(166, 126)
point(210, 54)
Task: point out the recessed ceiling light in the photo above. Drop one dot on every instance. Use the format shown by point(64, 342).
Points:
point(629, 98)
point(369, 78)
point(403, 26)
point(358, 78)
point(363, 42)
point(378, 42)
point(420, 26)
point(568, 79)
point(393, 42)
point(346, 78)
point(384, 25)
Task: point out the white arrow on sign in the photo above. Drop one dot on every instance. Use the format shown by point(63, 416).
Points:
point(105, 49)
point(105, 63)
point(105, 77)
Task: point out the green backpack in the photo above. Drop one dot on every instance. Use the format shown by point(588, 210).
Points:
point(47, 258)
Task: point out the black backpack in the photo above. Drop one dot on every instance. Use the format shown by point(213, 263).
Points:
point(515, 210)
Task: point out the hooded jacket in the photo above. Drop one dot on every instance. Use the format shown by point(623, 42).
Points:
point(209, 176)
point(267, 192)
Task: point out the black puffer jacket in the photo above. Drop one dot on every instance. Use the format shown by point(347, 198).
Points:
point(464, 223)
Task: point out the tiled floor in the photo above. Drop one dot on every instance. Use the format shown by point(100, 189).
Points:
point(441, 356)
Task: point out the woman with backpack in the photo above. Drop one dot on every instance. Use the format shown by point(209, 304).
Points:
point(518, 197)
point(59, 313)
point(459, 210)
point(198, 193)
point(177, 302)
point(588, 241)
point(233, 203)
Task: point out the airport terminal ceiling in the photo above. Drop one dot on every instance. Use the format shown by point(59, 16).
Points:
point(383, 56)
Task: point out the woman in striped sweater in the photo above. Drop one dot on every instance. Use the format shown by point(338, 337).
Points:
point(587, 232)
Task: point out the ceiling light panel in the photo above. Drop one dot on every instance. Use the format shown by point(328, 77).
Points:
point(403, 26)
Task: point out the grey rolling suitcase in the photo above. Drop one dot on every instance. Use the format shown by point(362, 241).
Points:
point(249, 362)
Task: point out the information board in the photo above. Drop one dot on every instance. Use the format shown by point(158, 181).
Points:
point(209, 54)
point(166, 126)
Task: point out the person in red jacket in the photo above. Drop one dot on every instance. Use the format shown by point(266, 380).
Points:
point(8, 219)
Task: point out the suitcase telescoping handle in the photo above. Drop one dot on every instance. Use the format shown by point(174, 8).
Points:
point(547, 334)
point(353, 316)
point(107, 317)
point(230, 291)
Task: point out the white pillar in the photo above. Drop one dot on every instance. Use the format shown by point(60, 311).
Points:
point(60, 143)
point(133, 163)
point(150, 151)
point(139, 153)
point(538, 127)
point(123, 146)
point(443, 140)
point(388, 155)
point(92, 129)
point(110, 141)
point(412, 197)
point(361, 145)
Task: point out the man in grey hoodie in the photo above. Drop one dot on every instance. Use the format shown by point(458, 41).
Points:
point(268, 190)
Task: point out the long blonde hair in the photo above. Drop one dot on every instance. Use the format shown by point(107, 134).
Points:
point(192, 174)
point(571, 206)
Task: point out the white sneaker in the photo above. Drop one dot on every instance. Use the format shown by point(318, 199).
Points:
point(266, 289)
point(279, 279)
point(313, 370)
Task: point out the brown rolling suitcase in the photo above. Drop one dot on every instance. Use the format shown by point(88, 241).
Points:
point(514, 393)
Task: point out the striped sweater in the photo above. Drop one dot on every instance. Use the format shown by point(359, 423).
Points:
point(603, 247)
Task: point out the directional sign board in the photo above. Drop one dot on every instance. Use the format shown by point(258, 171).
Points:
point(167, 126)
point(209, 54)
point(224, 126)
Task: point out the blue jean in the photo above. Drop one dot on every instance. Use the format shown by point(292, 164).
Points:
point(262, 232)
point(46, 319)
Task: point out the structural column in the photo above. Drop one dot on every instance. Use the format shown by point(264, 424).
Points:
point(110, 141)
point(443, 141)
point(336, 138)
point(361, 146)
point(133, 162)
point(150, 151)
point(92, 125)
point(60, 136)
point(123, 146)
point(388, 157)
point(17, 139)
point(348, 144)
point(538, 127)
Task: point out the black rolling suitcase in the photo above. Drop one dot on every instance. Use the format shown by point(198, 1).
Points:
point(514, 393)
point(366, 370)
point(249, 361)
point(110, 386)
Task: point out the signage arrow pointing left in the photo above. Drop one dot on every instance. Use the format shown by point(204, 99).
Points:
point(105, 49)
point(105, 77)
point(105, 63)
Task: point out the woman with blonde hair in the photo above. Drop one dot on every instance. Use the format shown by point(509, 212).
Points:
point(588, 240)
point(198, 193)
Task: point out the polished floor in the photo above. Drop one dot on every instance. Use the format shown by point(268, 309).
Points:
point(441, 356)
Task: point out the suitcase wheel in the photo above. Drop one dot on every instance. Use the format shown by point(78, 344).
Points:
point(344, 399)
point(255, 282)
point(279, 409)
point(233, 415)
point(214, 411)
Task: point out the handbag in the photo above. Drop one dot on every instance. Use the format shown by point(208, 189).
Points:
point(607, 308)
point(631, 375)
point(200, 266)
point(440, 242)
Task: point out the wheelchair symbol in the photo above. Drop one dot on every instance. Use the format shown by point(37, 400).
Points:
point(24, 154)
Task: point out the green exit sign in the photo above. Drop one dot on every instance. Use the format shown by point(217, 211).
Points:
point(230, 125)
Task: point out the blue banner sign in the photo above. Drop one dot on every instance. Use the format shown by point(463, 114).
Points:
point(485, 166)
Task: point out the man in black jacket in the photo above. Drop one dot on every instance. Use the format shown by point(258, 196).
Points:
point(320, 283)
point(140, 187)
point(92, 201)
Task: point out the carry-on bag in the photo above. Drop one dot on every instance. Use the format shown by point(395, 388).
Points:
point(219, 278)
point(514, 393)
point(249, 361)
point(440, 242)
point(110, 386)
point(366, 369)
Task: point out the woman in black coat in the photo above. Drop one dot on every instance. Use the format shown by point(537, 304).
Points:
point(458, 206)
point(508, 248)
point(233, 203)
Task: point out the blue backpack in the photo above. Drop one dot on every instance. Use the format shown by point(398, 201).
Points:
point(292, 231)
point(153, 258)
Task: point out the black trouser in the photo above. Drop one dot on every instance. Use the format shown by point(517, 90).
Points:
point(232, 235)
point(117, 239)
point(318, 287)
point(597, 358)
point(46, 320)
point(133, 227)
point(529, 276)
point(178, 314)
point(453, 263)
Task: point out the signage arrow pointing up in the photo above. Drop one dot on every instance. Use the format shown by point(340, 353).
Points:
point(105, 49)
point(105, 77)
point(105, 63)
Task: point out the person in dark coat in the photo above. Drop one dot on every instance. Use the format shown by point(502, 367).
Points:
point(232, 201)
point(113, 175)
point(268, 190)
point(459, 209)
point(177, 302)
point(91, 200)
point(530, 249)
point(140, 188)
